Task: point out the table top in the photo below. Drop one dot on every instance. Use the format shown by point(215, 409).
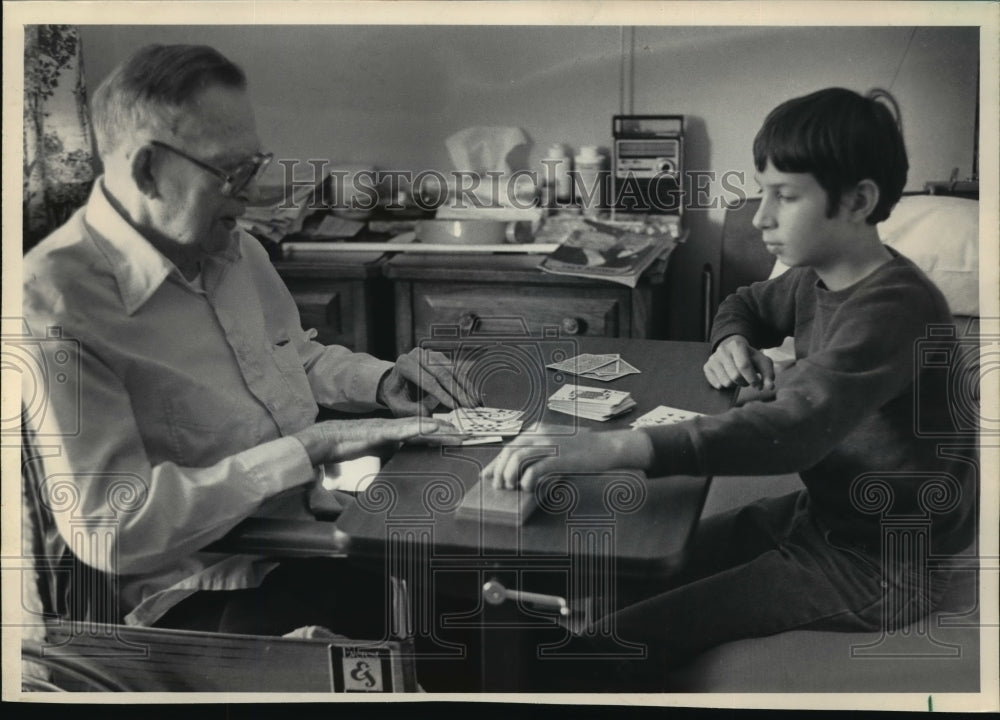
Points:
point(325, 264)
point(484, 268)
point(649, 522)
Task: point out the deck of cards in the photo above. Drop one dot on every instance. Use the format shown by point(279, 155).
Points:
point(590, 402)
point(484, 424)
point(663, 415)
point(595, 367)
point(486, 503)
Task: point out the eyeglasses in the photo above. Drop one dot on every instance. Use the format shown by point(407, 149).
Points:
point(234, 182)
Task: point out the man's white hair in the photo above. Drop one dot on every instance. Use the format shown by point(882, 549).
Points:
point(152, 89)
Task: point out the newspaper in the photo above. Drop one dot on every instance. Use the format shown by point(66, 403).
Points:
point(606, 251)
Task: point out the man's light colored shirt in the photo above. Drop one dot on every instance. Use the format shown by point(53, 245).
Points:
point(169, 403)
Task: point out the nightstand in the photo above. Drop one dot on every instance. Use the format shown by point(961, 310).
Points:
point(344, 297)
point(497, 294)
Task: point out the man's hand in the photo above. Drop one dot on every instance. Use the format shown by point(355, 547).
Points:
point(338, 440)
point(420, 381)
point(734, 362)
point(528, 459)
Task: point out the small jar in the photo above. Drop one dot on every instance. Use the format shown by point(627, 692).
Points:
point(589, 176)
point(555, 174)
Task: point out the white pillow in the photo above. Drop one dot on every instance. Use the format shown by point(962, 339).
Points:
point(941, 236)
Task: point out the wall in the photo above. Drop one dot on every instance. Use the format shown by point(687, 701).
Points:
point(389, 96)
point(726, 80)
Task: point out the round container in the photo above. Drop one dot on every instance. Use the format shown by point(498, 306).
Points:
point(555, 173)
point(462, 232)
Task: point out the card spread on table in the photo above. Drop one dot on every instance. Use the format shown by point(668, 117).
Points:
point(591, 403)
point(484, 424)
point(664, 415)
point(596, 367)
point(486, 503)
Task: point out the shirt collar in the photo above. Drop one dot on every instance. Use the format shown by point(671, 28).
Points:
point(138, 267)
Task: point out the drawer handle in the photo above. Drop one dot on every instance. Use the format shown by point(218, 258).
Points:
point(467, 322)
point(573, 326)
point(495, 593)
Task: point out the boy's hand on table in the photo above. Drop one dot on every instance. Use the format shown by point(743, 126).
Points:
point(734, 362)
point(528, 459)
point(338, 440)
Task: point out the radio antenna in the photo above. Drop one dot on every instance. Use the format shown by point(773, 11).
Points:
point(626, 99)
point(906, 52)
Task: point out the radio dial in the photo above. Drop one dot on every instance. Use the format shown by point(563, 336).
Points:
point(665, 166)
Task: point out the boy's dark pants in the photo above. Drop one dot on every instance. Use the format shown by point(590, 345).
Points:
point(765, 568)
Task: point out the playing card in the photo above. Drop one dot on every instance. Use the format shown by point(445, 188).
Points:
point(596, 367)
point(582, 395)
point(482, 439)
point(484, 421)
point(611, 371)
point(619, 367)
point(584, 363)
point(603, 378)
point(487, 413)
point(590, 403)
point(664, 415)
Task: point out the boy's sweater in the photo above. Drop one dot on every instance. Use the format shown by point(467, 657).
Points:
point(851, 414)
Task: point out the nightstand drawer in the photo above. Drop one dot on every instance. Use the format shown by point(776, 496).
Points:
point(501, 310)
point(343, 297)
point(327, 306)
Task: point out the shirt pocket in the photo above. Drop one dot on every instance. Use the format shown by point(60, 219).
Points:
point(207, 422)
point(291, 370)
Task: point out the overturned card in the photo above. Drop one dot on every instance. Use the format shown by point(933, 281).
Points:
point(611, 371)
point(596, 367)
point(583, 363)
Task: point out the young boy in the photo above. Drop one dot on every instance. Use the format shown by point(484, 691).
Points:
point(831, 165)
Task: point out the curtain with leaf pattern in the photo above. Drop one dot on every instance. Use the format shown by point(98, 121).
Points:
point(58, 146)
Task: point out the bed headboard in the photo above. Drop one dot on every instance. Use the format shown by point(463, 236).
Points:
point(744, 258)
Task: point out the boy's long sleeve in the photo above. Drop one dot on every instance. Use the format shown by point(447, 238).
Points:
point(845, 409)
point(763, 313)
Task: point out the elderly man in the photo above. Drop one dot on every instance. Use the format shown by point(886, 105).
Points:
point(196, 388)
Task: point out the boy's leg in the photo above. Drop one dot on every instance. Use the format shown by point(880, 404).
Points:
point(737, 536)
point(726, 540)
point(796, 579)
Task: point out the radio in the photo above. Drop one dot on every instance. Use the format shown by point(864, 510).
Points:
point(648, 163)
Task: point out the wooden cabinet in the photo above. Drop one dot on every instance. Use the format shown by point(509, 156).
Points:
point(507, 294)
point(344, 297)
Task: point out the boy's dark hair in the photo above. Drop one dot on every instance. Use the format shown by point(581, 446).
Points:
point(153, 85)
point(841, 138)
